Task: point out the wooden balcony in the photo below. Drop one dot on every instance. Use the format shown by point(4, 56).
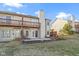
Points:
point(19, 23)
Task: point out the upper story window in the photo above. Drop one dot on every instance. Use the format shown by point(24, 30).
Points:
point(34, 20)
point(5, 19)
point(8, 17)
point(2, 17)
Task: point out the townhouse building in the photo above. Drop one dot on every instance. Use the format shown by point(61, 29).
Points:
point(13, 25)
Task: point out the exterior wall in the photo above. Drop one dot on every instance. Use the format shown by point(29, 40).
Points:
point(7, 33)
point(71, 20)
point(16, 18)
point(30, 19)
point(47, 25)
point(31, 32)
point(58, 24)
point(77, 30)
point(76, 26)
point(14, 33)
point(42, 23)
point(26, 19)
point(3, 15)
point(42, 29)
point(12, 17)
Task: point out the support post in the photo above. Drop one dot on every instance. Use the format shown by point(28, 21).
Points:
point(22, 34)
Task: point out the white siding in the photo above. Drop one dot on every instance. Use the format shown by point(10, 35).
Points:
point(26, 19)
point(47, 28)
point(7, 34)
point(30, 19)
point(31, 30)
point(58, 24)
point(34, 20)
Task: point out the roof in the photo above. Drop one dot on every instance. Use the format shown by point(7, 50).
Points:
point(47, 19)
point(21, 15)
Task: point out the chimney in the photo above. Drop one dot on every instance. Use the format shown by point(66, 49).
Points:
point(41, 13)
point(41, 16)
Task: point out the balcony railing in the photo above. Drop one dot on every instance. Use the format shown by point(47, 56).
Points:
point(18, 23)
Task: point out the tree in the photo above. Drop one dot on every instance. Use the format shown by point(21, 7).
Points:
point(67, 29)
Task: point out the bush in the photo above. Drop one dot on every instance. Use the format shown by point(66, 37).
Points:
point(61, 37)
point(67, 30)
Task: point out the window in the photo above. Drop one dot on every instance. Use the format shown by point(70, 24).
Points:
point(8, 18)
point(2, 17)
point(47, 32)
point(27, 33)
point(47, 23)
point(2, 34)
point(36, 33)
point(5, 17)
point(33, 33)
point(34, 20)
point(5, 34)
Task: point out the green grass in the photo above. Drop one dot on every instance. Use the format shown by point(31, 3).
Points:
point(69, 47)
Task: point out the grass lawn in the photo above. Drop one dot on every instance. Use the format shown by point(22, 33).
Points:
point(69, 47)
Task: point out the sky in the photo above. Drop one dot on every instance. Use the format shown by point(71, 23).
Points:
point(52, 10)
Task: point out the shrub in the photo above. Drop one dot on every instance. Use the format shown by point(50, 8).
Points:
point(67, 30)
point(61, 37)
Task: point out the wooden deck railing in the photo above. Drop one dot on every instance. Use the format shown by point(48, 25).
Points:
point(11, 22)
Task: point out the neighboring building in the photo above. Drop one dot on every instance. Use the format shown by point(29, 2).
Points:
point(76, 26)
point(13, 25)
point(59, 23)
